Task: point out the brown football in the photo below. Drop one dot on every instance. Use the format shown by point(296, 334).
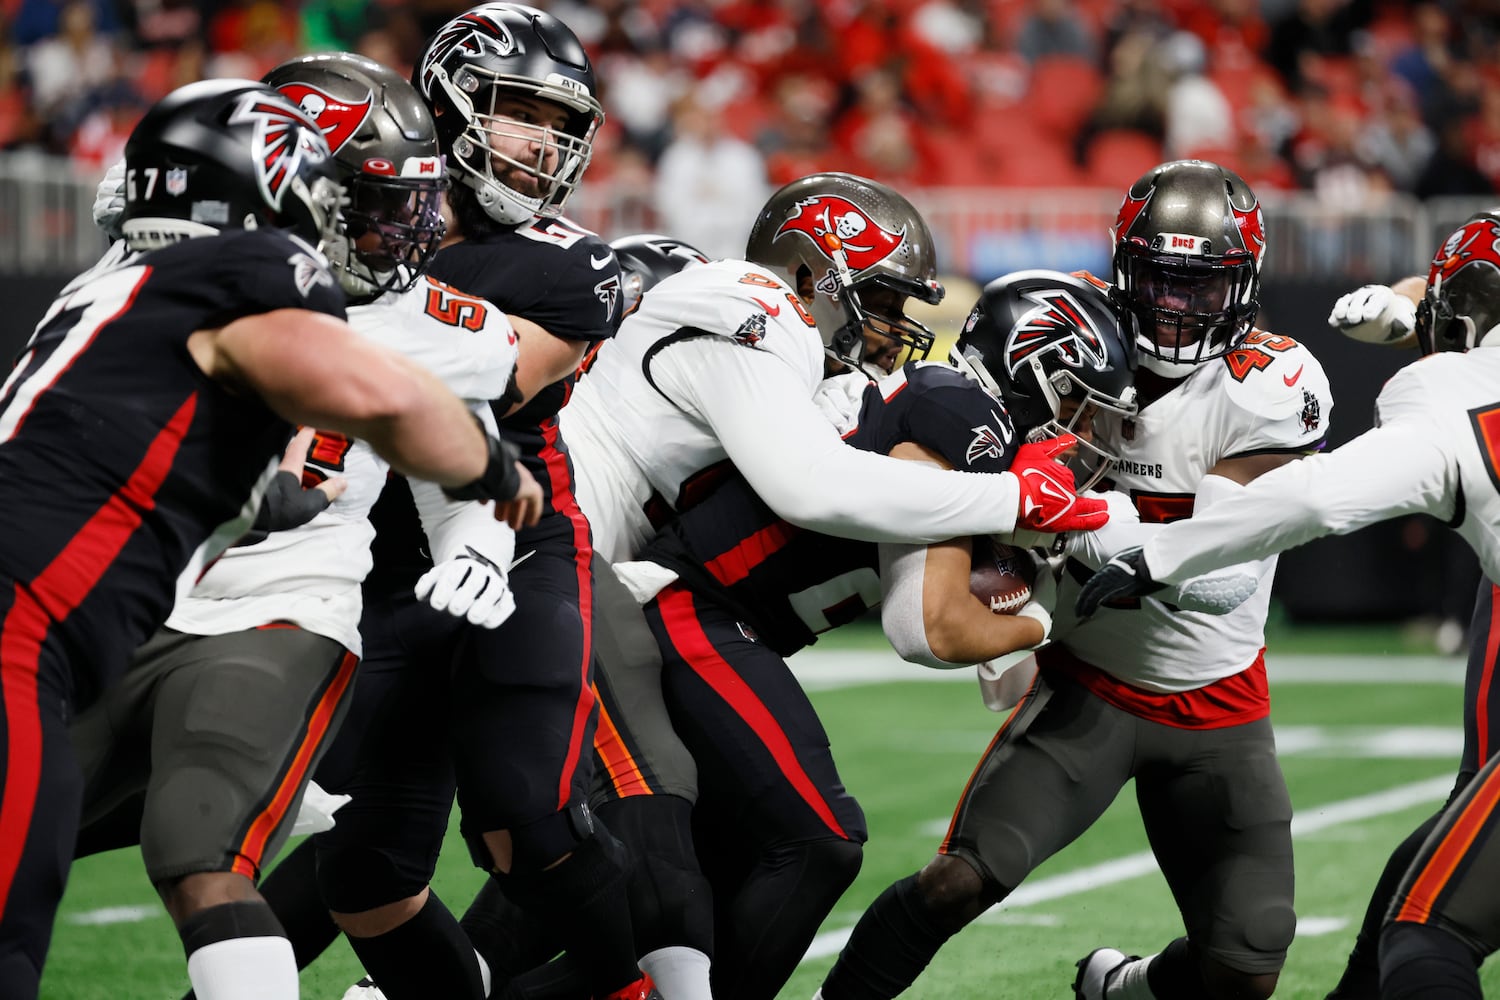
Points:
point(1000, 575)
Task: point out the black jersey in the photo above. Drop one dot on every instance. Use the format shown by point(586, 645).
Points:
point(121, 463)
point(789, 584)
point(567, 281)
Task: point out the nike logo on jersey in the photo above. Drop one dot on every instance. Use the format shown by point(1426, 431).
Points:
point(1291, 379)
point(770, 310)
point(600, 263)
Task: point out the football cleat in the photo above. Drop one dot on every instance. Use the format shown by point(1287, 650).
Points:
point(365, 989)
point(642, 989)
point(1097, 970)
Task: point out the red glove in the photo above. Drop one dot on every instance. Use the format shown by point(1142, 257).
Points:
point(1048, 500)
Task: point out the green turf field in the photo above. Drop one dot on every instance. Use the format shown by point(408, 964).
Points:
point(1366, 760)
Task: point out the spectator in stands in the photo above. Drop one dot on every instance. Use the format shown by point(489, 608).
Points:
point(795, 142)
point(1396, 140)
point(709, 183)
point(1451, 171)
point(1316, 28)
point(1197, 114)
point(1054, 28)
point(65, 67)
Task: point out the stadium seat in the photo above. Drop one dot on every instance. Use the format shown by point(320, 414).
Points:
point(1062, 93)
point(1116, 157)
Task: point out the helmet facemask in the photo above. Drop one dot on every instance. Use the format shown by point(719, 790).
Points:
point(539, 163)
point(877, 337)
point(392, 227)
point(1185, 311)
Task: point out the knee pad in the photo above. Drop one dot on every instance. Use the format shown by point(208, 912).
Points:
point(354, 879)
point(537, 845)
point(836, 860)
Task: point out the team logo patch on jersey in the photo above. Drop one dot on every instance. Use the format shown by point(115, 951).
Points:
point(473, 34)
point(988, 441)
point(1057, 322)
point(836, 224)
point(281, 140)
point(338, 119)
point(308, 273)
point(608, 292)
point(1312, 413)
point(753, 330)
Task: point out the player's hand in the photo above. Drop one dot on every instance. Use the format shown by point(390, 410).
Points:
point(1048, 501)
point(1123, 576)
point(525, 508)
point(109, 201)
point(1374, 314)
point(471, 587)
point(286, 504)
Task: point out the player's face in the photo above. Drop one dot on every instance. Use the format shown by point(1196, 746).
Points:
point(1191, 291)
point(523, 151)
point(388, 224)
point(884, 312)
point(1079, 418)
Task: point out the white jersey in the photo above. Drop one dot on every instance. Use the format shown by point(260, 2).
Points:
point(1435, 450)
point(1269, 396)
point(719, 364)
point(310, 576)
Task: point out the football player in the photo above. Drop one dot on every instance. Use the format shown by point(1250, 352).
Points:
point(514, 97)
point(269, 635)
point(169, 404)
point(1174, 699)
point(1433, 450)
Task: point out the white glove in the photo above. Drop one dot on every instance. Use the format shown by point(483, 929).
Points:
point(109, 201)
point(470, 587)
point(839, 398)
point(1374, 314)
point(1043, 594)
point(316, 812)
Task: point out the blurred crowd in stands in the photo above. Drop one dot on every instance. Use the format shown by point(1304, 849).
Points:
point(719, 99)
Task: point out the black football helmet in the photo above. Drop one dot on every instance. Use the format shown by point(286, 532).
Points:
point(499, 50)
point(1039, 338)
point(857, 250)
point(1189, 242)
point(645, 259)
point(1462, 302)
point(227, 154)
point(385, 145)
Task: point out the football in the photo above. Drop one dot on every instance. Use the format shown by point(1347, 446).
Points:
point(1000, 575)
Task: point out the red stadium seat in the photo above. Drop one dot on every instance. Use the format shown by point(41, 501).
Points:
point(1062, 93)
point(1118, 156)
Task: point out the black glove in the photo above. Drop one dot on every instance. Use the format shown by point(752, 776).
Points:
point(1123, 576)
point(501, 479)
point(284, 506)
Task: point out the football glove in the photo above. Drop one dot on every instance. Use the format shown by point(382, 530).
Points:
point(109, 201)
point(1374, 314)
point(1123, 576)
point(471, 587)
point(1048, 500)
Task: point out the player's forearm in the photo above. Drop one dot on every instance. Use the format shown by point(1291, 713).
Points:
point(930, 617)
point(456, 526)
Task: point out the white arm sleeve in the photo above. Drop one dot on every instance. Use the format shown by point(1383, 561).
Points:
point(902, 568)
point(1383, 473)
point(454, 525)
point(762, 412)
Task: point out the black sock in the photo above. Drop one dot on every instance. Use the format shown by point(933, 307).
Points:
point(891, 945)
point(428, 956)
point(1420, 962)
point(1361, 978)
point(582, 902)
point(776, 912)
point(563, 978)
point(291, 889)
point(1175, 973)
point(511, 940)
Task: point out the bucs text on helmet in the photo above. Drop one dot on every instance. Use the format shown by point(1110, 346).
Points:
point(1050, 346)
point(1461, 307)
point(227, 154)
point(1189, 242)
point(646, 259)
point(474, 69)
point(385, 145)
point(856, 250)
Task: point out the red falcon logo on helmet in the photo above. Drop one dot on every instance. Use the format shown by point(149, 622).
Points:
point(338, 119)
point(282, 138)
point(1056, 321)
point(836, 223)
point(472, 33)
point(1474, 242)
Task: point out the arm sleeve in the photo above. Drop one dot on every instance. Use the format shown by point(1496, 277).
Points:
point(1383, 473)
point(902, 570)
point(452, 526)
point(764, 417)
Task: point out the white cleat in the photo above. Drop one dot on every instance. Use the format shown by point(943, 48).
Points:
point(1095, 972)
point(365, 989)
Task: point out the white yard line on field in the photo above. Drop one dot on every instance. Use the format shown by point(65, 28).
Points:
point(1309, 820)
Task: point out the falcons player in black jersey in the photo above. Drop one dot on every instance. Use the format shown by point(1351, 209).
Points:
point(513, 94)
point(137, 428)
